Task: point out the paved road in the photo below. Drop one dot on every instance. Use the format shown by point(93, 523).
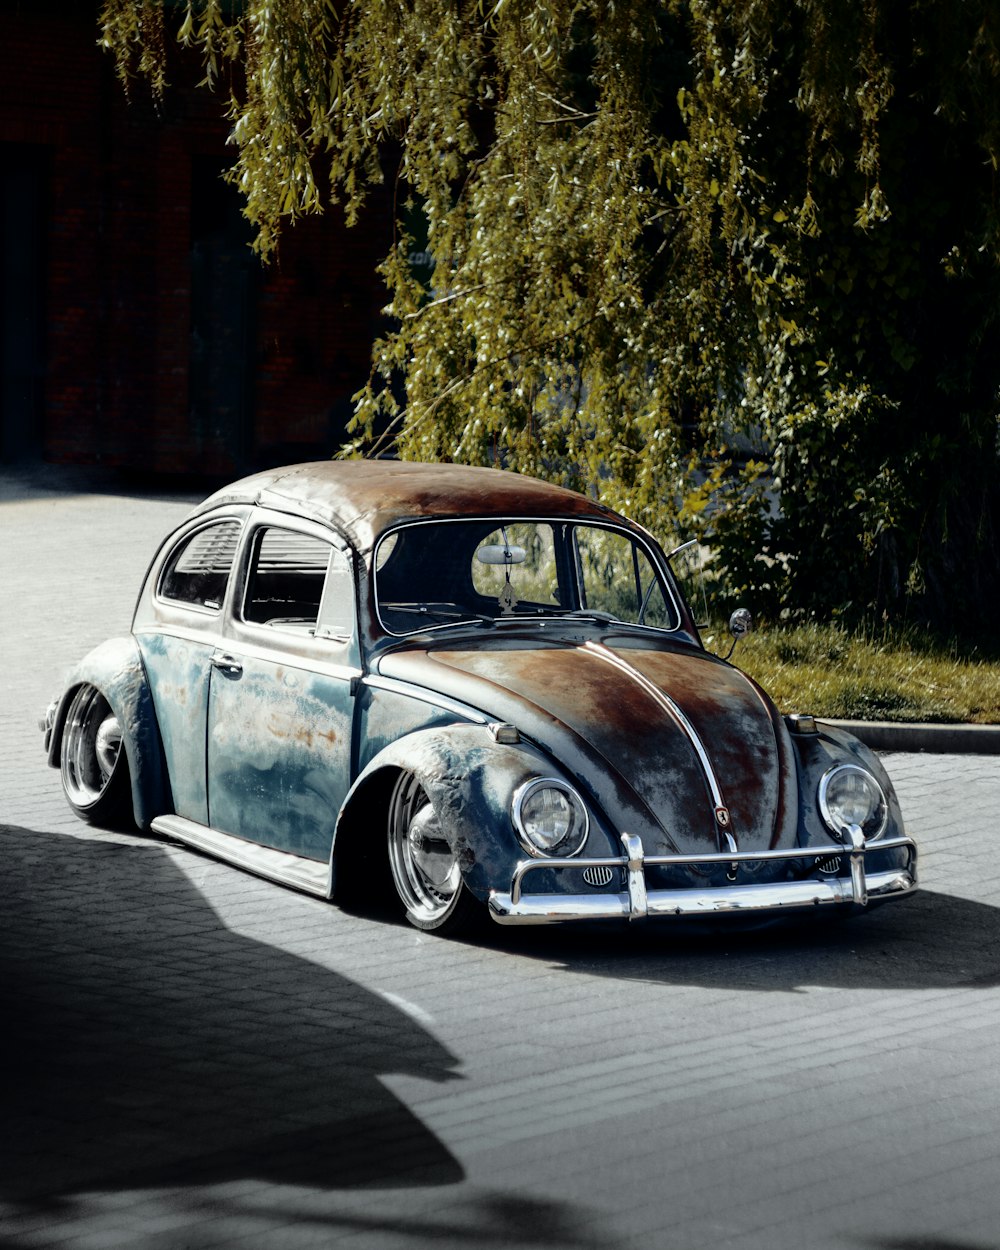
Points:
point(195, 1058)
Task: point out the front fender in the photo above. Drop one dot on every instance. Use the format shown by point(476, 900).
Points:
point(116, 669)
point(470, 779)
point(821, 751)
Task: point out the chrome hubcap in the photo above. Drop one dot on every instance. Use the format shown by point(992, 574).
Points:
point(108, 744)
point(424, 867)
point(92, 742)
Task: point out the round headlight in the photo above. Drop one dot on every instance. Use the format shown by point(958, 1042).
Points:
point(848, 795)
point(550, 817)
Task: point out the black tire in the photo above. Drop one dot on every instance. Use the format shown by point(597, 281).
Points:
point(93, 763)
point(425, 870)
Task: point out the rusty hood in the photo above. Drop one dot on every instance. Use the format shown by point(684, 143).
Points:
point(655, 732)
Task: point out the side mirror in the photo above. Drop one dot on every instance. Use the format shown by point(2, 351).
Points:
point(740, 624)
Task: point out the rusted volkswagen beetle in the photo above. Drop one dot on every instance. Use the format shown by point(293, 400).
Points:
point(488, 684)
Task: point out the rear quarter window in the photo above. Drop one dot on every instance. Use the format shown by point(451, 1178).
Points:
point(198, 569)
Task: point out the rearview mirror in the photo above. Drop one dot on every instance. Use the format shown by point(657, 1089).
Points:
point(499, 554)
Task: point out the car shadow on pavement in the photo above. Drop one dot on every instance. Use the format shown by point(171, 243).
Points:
point(144, 1043)
point(928, 941)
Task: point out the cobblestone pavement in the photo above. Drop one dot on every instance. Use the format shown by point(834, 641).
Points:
point(195, 1058)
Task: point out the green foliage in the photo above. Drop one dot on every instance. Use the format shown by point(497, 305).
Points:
point(691, 256)
point(828, 671)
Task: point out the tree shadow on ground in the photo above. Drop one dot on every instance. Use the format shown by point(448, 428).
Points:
point(928, 941)
point(145, 1044)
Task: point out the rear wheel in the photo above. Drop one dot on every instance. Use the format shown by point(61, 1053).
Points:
point(93, 762)
point(425, 869)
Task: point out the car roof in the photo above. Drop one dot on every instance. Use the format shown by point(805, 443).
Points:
point(364, 498)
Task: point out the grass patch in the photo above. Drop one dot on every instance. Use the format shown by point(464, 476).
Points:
point(824, 670)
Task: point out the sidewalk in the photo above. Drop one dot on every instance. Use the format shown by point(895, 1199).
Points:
point(938, 739)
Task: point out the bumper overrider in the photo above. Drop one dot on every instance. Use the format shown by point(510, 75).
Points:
point(856, 888)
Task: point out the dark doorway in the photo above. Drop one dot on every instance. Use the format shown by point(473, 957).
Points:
point(224, 281)
point(23, 182)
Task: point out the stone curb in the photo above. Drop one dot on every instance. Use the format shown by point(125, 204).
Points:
point(940, 739)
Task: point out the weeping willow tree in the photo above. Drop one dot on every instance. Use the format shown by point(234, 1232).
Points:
point(730, 265)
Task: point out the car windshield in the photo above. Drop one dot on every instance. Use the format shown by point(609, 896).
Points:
point(445, 573)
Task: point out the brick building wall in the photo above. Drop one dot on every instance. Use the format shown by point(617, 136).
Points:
point(138, 330)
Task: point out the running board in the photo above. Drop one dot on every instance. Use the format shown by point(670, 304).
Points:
point(309, 875)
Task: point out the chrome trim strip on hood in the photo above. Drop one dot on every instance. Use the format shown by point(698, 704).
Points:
point(722, 817)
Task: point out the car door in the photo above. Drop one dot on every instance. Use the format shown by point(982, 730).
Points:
point(281, 696)
point(178, 628)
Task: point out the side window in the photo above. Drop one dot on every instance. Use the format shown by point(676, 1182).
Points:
point(285, 581)
point(198, 569)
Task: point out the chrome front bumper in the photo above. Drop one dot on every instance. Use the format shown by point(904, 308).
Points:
point(636, 903)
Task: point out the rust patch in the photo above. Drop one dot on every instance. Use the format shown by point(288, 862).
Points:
point(623, 721)
point(289, 729)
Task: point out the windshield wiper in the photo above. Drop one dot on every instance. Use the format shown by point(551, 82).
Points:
point(440, 613)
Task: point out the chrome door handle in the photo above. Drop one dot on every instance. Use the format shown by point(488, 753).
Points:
point(227, 664)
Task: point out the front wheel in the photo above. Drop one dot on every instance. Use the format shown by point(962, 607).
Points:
point(425, 869)
point(93, 763)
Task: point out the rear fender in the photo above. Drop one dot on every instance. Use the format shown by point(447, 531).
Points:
point(470, 779)
point(116, 669)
